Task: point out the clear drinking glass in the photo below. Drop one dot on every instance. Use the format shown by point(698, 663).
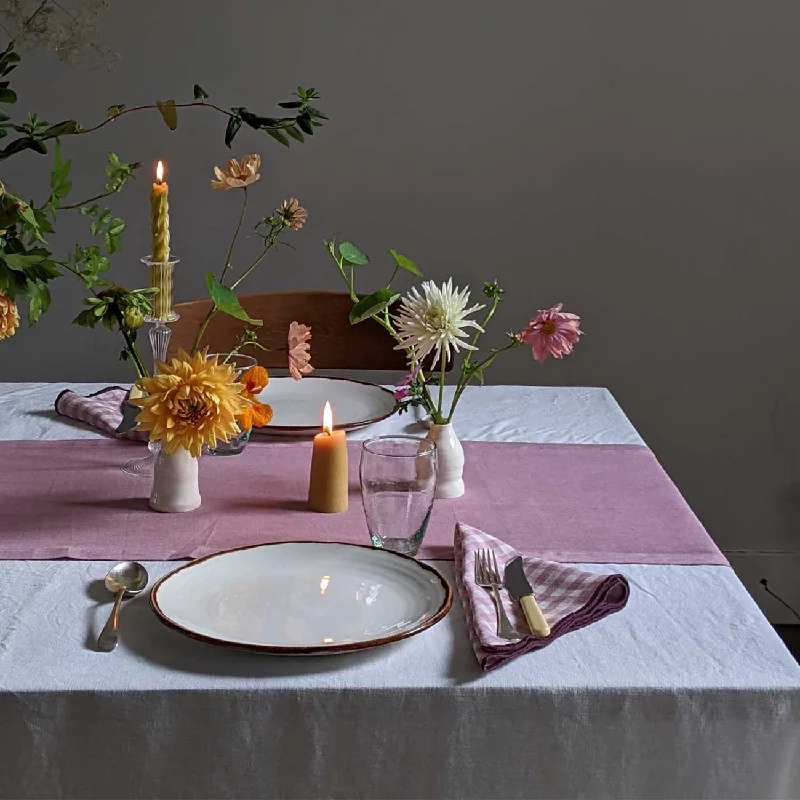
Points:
point(398, 480)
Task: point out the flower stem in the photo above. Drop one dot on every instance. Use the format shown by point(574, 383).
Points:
point(235, 236)
point(467, 370)
point(213, 310)
point(73, 206)
point(137, 360)
point(151, 106)
point(481, 365)
point(438, 419)
point(269, 244)
point(130, 344)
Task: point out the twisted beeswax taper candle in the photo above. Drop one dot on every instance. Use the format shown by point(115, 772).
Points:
point(160, 271)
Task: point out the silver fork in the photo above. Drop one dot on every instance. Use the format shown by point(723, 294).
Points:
point(488, 576)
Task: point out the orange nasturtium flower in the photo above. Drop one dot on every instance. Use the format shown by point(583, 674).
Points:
point(256, 414)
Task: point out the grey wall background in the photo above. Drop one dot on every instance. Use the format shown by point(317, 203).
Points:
point(638, 160)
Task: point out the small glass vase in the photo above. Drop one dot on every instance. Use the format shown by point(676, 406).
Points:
point(450, 456)
point(236, 444)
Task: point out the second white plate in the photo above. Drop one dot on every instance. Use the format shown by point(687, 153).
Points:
point(298, 405)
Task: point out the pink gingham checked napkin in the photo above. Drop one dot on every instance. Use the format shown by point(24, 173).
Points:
point(102, 410)
point(570, 598)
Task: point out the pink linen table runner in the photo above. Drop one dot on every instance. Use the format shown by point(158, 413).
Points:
point(574, 503)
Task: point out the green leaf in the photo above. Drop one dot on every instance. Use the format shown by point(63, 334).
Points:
point(169, 113)
point(24, 143)
point(9, 56)
point(38, 304)
point(115, 111)
point(21, 261)
point(277, 136)
point(60, 184)
point(371, 305)
point(116, 227)
point(61, 129)
point(45, 271)
point(405, 263)
point(234, 123)
point(291, 104)
point(316, 113)
point(29, 215)
point(41, 219)
point(86, 319)
point(113, 233)
point(295, 133)
point(199, 92)
point(257, 122)
point(8, 96)
point(350, 252)
point(225, 300)
point(305, 124)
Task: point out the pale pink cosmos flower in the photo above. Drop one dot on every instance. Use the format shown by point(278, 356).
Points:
point(299, 350)
point(403, 388)
point(552, 332)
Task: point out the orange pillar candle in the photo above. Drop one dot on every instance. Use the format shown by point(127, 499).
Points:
point(328, 486)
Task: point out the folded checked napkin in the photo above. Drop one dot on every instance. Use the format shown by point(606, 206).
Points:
point(569, 598)
point(105, 410)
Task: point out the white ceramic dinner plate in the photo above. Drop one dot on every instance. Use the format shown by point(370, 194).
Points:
point(298, 405)
point(302, 598)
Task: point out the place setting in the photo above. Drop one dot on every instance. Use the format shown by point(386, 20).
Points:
point(310, 486)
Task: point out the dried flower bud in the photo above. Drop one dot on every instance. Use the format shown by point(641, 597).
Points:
point(492, 290)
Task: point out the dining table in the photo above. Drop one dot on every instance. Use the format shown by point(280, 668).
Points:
point(686, 692)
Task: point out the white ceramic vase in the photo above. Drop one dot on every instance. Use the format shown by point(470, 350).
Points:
point(175, 482)
point(450, 461)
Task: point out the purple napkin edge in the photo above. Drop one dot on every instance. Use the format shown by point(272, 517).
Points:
point(93, 394)
point(600, 605)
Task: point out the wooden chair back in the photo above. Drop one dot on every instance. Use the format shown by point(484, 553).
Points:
point(335, 343)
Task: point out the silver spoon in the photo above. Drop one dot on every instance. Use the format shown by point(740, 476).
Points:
point(126, 579)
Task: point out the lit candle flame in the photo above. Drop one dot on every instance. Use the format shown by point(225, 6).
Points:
point(327, 419)
point(160, 172)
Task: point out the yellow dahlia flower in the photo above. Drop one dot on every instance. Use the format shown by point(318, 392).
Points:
point(9, 317)
point(193, 400)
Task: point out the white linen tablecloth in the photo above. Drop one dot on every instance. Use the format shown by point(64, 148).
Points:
point(687, 692)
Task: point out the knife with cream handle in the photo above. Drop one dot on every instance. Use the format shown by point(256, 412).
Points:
point(520, 589)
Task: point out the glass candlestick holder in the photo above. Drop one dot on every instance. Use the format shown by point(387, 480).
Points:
point(161, 274)
point(159, 335)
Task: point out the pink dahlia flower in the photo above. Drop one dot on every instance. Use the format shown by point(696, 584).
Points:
point(552, 332)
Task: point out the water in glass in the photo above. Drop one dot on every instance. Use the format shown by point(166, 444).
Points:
point(398, 481)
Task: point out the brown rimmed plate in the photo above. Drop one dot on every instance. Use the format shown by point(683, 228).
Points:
point(302, 598)
point(298, 405)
